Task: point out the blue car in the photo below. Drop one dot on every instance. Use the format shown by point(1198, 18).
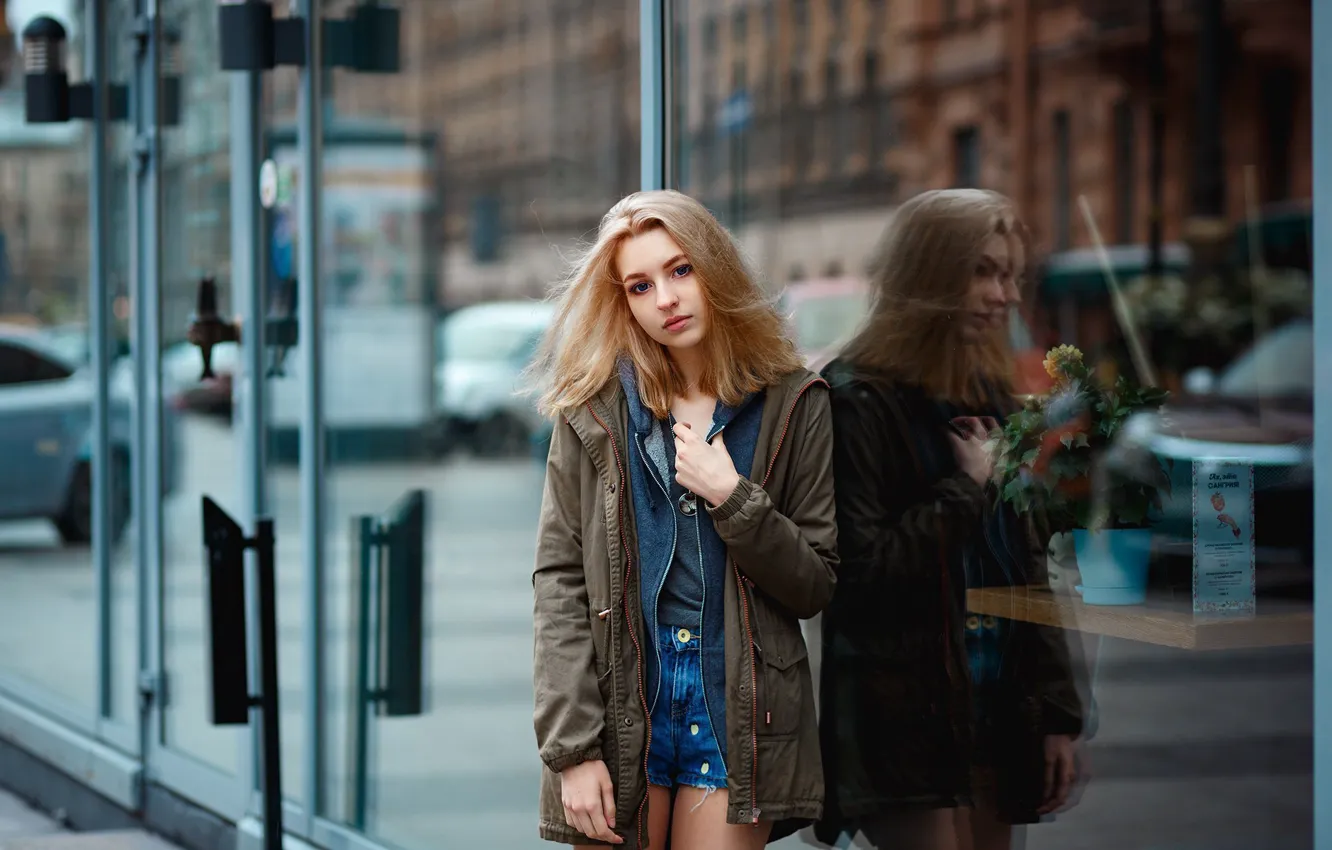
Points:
point(46, 438)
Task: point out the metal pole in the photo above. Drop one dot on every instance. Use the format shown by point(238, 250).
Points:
point(269, 714)
point(309, 314)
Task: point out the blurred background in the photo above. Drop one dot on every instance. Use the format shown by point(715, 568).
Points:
point(1161, 149)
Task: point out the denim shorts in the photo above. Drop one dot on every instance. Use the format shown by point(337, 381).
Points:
point(684, 747)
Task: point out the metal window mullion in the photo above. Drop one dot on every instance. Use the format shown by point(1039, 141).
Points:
point(247, 286)
point(654, 74)
point(1322, 446)
point(309, 314)
point(99, 315)
point(150, 309)
point(143, 271)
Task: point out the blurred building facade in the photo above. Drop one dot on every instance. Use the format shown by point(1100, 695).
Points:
point(43, 197)
point(536, 120)
point(823, 114)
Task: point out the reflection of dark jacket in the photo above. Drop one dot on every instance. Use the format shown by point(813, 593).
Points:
point(898, 721)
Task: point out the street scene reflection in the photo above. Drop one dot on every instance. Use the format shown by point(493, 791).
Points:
point(1158, 152)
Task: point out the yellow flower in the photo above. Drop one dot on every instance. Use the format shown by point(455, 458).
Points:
point(1062, 362)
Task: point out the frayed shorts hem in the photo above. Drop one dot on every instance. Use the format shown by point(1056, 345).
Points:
point(692, 780)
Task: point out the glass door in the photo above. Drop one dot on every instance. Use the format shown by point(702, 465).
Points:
point(194, 436)
point(453, 192)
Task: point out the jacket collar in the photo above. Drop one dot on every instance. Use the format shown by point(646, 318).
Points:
point(608, 411)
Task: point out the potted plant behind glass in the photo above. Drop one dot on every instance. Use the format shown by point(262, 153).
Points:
point(1052, 457)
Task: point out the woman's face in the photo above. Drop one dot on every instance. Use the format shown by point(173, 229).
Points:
point(994, 289)
point(662, 289)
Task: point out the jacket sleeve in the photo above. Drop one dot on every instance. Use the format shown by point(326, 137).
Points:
point(791, 557)
point(569, 710)
point(887, 532)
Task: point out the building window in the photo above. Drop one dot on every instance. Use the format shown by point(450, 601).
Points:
point(1279, 88)
point(1126, 176)
point(870, 135)
point(710, 36)
point(948, 11)
point(966, 156)
point(836, 18)
point(1063, 180)
point(739, 23)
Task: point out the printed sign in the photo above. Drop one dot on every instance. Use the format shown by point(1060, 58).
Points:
point(1223, 537)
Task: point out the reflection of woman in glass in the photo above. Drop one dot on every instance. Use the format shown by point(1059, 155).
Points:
point(687, 522)
point(940, 728)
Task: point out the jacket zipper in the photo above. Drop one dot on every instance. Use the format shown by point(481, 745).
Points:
point(633, 635)
point(749, 628)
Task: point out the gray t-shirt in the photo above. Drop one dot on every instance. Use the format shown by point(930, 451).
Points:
point(681, 599)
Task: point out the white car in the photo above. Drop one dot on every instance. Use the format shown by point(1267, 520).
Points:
point(483, 350)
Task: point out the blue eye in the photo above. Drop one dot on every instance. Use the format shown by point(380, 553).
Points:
point(682, 270)
point(640, 287)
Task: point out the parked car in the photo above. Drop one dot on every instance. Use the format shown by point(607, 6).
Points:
point(46, 436)
point(1258, 409)
point(483, 350)
point(824, 314)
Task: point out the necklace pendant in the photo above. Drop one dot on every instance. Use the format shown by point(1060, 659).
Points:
point(688, 503)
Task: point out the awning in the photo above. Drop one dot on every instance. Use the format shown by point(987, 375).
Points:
point(1080, 273)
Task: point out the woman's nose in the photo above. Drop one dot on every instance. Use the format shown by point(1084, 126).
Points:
point(666, 296)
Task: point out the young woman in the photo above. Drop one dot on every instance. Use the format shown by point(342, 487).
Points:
point(687, 523)
point(941, 729)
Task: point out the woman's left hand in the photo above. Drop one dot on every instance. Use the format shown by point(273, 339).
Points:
point(1061, 772)
point(704, 468)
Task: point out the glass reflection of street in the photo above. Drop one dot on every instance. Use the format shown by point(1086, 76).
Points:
point(1223, 738)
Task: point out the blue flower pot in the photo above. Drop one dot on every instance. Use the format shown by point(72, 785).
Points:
point(1113, 565)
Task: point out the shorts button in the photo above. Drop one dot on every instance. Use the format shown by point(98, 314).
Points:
point(693, 729)
point(704, 768)
point(683, 635)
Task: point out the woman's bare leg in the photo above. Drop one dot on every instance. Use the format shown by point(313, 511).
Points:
point(659, 820)
point(699, 820)
point(917, 829)
point(985, 831)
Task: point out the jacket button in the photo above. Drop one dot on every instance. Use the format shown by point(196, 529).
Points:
point(611, 486)
point(628, 721)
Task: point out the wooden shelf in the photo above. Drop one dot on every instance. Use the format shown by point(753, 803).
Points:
point(1164, 624)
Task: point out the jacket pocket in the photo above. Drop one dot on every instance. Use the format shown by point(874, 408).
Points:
point(601, 616)
point(783, 676)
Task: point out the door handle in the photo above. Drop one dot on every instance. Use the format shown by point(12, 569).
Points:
point(390, 609)
point(208, 328)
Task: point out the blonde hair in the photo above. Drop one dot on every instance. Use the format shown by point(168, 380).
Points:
point(746, 345)
point(920, 275)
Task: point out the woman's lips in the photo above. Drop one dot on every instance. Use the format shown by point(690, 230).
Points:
point(676, 324)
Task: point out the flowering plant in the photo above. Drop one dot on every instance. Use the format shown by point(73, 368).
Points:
point(1049, 451)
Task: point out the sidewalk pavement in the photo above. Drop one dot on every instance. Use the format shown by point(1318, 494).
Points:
point(24, 828)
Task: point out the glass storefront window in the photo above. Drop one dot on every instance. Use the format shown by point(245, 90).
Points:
point(48, 622)
point(1153, 619)
point(451, 194)
point(1159, 155)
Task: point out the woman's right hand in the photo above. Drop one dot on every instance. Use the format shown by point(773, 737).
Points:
point(589, 800)
point(973, 450)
